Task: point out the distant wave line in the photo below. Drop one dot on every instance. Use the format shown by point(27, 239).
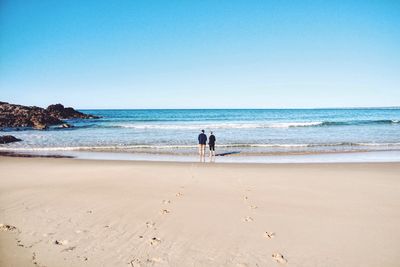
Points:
point(207, 125)
point(254, 125)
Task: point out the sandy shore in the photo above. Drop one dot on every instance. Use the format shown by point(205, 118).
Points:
point(70, 212)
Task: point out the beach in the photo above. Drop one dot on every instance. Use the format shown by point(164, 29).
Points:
point(71, 212)
point(200, 133)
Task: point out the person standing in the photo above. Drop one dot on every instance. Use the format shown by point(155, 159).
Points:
point(211, 143)
point(202, 143)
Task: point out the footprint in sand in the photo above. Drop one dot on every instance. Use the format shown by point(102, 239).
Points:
point(269, 235)
point(245, 198)
point(155, 241)
point(179, 194)
point(166, 201)
point(150, 224)
point(155, 260)
point(83, 258)
point(253, 207)
point(19, 243)
point(8, 228)
point(135, 262)
point(61, 242)
point(248, 219)
point(279, 258)
point(34, 258)
point(165, 211)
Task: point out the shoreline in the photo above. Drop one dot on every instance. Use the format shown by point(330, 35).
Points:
point(329, 157)
point(187, 163)
point(27, 155)
point(72, 212)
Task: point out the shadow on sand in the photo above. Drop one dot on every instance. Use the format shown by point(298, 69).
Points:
point(227, 153)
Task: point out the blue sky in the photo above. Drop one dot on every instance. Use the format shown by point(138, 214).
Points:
point(200, 54)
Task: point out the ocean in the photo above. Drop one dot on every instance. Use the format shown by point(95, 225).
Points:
point(240, 133)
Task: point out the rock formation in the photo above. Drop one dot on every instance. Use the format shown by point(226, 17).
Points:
point(63, 113)
point(18, 116)
point(5, 139)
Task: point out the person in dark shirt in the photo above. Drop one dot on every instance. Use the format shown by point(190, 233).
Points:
point(211, 143)
point(202, 143)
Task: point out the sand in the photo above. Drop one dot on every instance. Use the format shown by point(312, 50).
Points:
point(70, 212)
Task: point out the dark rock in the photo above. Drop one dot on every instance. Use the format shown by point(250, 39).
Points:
point(12, 116)
point(18, 116)
point(64, 113)
point(5, 139)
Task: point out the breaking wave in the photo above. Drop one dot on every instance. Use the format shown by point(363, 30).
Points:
point(252, 125)
point(167, 147)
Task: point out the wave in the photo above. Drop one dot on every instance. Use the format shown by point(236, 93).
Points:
point(359, 122)
point(219, 126)
point(222, 125)
point(251, 125)
point(168, 147)
point(341, 144)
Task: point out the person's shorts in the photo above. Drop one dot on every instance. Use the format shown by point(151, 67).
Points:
point(203, 144)
point(212, 147)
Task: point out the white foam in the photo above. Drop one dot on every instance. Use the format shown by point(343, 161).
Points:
point(219, 125)
point(167, 147)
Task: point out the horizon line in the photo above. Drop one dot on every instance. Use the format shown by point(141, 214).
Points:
point(281, 108)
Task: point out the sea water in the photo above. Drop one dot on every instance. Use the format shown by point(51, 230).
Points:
point(240, 132)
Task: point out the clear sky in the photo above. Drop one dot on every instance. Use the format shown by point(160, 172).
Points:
point(200, 54)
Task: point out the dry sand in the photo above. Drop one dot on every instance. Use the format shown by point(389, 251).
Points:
point(108, 213)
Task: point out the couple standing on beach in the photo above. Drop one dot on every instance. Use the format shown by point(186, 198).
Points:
point(203, 141)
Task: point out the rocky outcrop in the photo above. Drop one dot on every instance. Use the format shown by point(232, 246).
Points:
point(5, 139)
point(18, 116)
point(13, 116)
point(63, 113)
